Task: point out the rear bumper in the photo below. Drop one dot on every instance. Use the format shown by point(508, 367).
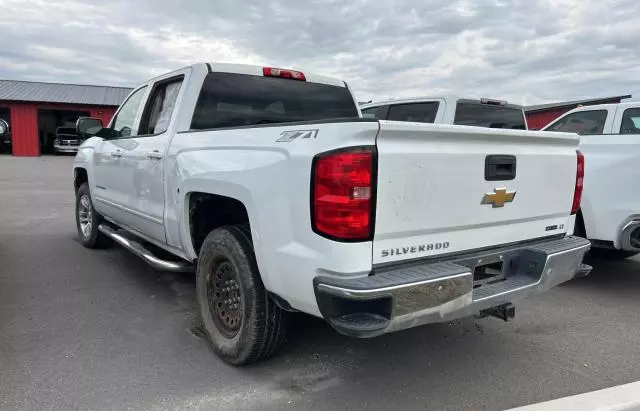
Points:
point(400, 297)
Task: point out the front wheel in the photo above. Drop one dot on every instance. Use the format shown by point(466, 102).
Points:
point(242, 323)
point(610, 253)
point(88, 220)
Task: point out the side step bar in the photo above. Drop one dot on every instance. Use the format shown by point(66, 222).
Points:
point(139, 250)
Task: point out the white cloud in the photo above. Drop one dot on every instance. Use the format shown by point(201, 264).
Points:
point(525, 51)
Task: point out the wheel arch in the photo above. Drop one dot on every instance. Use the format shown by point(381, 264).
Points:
point(586, 217)
point(80, 176)
point(208, 211)
point(211, 194)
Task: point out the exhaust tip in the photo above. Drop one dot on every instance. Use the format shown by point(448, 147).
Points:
point(630, 238)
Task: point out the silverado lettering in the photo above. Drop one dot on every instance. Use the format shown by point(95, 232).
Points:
point(415, 249)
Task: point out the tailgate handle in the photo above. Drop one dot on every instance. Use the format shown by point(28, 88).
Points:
point(499, 167)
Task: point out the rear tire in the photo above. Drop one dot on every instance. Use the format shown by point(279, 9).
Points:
point(242, 323)
point(611, 254)
point(88, 220)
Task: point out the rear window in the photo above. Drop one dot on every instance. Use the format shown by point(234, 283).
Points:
point(417, 112)
point(630, 121)
point(233, 100)
point(489, 116)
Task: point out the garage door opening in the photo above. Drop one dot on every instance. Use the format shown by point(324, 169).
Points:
point(5, 140)
point(59, 124)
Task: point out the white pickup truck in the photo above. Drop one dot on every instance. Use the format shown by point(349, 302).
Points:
point(269, 184)
point(489, 113)
point(610, 141)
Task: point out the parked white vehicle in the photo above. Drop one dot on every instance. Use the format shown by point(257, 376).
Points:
point(269, 184)
point(489, 113)
point(610, 141)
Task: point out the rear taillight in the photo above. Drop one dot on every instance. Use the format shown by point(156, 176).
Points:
point(283, 73)
point(343, 194)
point(577, 194)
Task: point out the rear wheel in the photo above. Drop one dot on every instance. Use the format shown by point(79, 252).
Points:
point(610, 253)
point(242, 323)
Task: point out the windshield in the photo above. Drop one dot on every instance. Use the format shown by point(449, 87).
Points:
point(581, 122)
point(489, 115)
point(232, 100)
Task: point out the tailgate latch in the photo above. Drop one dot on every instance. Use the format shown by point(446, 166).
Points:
point(499, 167)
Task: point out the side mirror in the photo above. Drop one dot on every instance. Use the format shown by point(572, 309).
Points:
point(4, 127)
point(88, 126)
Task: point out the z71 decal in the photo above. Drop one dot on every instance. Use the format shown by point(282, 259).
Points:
point(290, 135)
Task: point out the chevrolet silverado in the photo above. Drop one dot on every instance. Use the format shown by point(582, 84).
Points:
point(269, 184)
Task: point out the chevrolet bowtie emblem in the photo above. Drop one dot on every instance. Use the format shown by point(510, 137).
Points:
point(498, 197)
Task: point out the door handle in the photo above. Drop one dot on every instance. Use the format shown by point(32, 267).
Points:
point(116, 153)
point(155, 154)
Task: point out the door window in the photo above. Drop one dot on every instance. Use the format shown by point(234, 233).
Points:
point(581, 122)
point(157, 114)
point(630, 121)
point(379, 112)
point(418, 112)
point(122, 125)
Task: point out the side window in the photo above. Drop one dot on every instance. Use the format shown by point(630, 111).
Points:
point(122, 125)
point(582, 122)
point(379, 112)
point(418, 112)
point(370, 112)
point(630, 121)
point(160, 105)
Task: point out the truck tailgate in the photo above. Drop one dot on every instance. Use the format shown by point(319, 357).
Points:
point(436, 194)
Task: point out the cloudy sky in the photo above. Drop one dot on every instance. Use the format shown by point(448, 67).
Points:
point(525, 51)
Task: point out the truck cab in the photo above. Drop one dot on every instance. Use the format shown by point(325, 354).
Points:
point(610, 141)
point(484, 112)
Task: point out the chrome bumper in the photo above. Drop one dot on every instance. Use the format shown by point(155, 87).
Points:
point(400, 297)
point(65, 148)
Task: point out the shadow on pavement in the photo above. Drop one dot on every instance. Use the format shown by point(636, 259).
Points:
point(621, 277)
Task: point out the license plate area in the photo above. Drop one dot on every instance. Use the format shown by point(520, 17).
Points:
point(489, 273)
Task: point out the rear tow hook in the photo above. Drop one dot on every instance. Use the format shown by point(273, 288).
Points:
point(504, 312)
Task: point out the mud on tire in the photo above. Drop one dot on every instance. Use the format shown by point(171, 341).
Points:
point(242, 324)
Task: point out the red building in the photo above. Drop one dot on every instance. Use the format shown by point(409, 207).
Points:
point(543, 114)
point(34, 110)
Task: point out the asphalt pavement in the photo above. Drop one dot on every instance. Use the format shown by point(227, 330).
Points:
point(85, 329)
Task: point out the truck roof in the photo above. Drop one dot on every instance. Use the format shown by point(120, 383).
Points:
point(628, 104)
point(258, 71)
point(447, 98)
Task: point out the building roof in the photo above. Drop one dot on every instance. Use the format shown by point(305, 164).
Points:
point(561, 104)
point(13, 90)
